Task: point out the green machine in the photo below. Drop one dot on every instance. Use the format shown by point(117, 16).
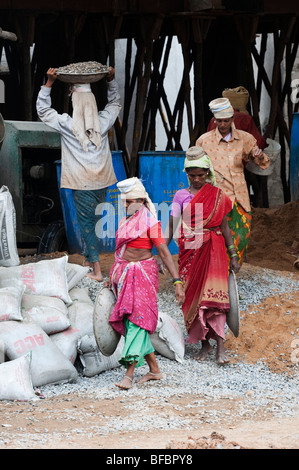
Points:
point(27, 167)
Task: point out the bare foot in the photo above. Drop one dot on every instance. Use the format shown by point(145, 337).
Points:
point(206, 349)
point(93, 275)
point(126, 383)
point(222, 358)
point(149, 376)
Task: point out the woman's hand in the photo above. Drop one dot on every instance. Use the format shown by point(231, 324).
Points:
point(179, 293)
point(160, 264)
point(234, 265)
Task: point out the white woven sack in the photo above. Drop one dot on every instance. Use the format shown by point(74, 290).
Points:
point(93, 361)
point(46, 277)
point(75, 273)
point(50, 322)
point(80, 313)
point(67, 342)
point(8, 243)
point(15, 380)
point(49, 365)
point(10, 303)
point(80, 294)
point(50, 313)
point(168, 339)
point(80, 316)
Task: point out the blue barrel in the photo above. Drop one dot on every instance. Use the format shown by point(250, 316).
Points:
point(294, 159)
point(162, 175)
point(110, 216)
point(72, 230)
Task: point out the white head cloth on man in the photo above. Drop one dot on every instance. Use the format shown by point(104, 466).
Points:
point(221, 108)
point(132, 188)
point(86, 126)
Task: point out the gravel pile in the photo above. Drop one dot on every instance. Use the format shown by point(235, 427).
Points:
point(255, 386)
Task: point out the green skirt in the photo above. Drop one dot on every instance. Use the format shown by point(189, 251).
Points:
point(137, 345)
point(239, 222)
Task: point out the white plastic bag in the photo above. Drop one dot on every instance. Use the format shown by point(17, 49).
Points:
point(10, 303)
point(46, 277)
point(168, 339)
point(8, 243)
point(50, 313)
point(48, 365)
point(93, 361)
point(15, 380)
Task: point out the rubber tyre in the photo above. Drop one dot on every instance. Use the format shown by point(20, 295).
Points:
point(53, 238)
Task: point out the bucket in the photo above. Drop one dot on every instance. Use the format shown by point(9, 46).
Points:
point(109, 216)
point(2, 130)
point(162, 176)
point(273, 152)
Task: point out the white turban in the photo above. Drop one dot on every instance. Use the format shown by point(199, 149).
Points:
point(221, 108)
point(132, 188)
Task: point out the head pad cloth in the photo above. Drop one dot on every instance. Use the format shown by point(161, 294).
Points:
point(221, 108)
point(132, 188)
point(197, 158)
point(86, 127)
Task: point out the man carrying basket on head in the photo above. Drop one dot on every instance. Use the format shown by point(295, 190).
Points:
point(86, 161)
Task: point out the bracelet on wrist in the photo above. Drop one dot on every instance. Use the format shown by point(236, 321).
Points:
point(231, 247)
point(177, 281)
point(234, 254)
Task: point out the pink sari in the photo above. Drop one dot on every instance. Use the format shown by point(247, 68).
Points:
point(135, 284)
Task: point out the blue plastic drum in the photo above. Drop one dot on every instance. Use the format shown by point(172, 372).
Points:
point(110, 211)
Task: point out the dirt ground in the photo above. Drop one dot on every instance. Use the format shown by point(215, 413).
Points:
point(49, 423)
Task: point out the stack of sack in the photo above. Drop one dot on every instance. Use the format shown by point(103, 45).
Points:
point(47, 321)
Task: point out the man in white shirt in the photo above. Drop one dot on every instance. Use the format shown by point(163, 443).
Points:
point(86, 160)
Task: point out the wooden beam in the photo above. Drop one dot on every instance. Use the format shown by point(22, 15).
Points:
point(283, 40)
point(268, 87)
point(247, 26)
point(144, 73)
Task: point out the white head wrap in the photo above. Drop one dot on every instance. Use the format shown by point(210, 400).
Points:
point(221, 108)
point(132, 188)
point(86, 126)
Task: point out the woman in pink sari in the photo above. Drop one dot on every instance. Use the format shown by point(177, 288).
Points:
point(203, 237)
point(134, 281)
